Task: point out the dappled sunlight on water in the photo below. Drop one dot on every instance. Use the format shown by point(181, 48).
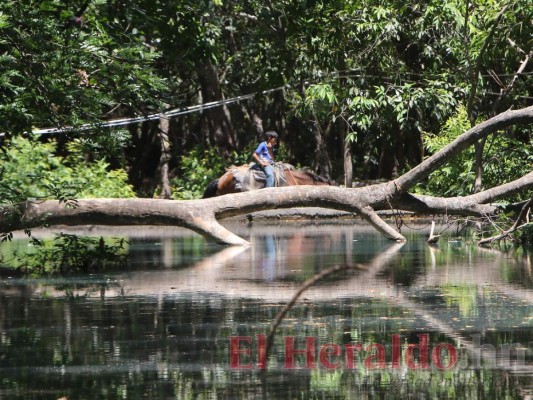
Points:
point(188, 319)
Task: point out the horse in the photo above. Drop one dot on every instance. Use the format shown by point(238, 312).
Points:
point(250, 177)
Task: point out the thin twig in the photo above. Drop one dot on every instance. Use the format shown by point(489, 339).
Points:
point(306, 285)
point(515, 227)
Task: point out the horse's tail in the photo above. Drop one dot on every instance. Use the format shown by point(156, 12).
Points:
point(211, 189)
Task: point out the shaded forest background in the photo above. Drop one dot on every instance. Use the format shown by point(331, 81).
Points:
point(358, 90)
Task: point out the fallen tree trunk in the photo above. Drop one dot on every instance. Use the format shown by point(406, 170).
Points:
point(202, 215)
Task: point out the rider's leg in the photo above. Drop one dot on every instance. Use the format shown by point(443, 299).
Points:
point(269, 172)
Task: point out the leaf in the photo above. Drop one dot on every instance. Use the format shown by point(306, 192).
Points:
point(4, 21)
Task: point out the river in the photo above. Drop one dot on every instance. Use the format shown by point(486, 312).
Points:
point(188, 319)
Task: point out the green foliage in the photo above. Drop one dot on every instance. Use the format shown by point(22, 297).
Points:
point(457, 177)
point(68, 253)
point(32, 170)
point(505, 159)
point(109, 143)
point(526, 235)
point(94, 179)
point(197, 169)
point(386, 71)
point(56, 74)
point(319, 93)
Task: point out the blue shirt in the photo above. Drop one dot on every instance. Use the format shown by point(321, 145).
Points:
point(263, 153)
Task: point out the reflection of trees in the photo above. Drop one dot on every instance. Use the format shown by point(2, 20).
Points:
point(468, 290)
point(96, 350)
point(176, 334)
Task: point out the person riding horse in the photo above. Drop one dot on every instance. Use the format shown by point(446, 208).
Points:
point(244, 178)
point(264, 156)
point(263, 173)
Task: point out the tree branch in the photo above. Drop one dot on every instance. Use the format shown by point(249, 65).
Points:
point(512, 229)
point(429, 165)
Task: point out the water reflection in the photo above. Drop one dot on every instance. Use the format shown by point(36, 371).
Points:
point(162, 329)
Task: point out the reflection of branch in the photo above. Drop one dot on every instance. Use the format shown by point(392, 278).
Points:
point(512, 229)
point(221, 258)
point(306, 285)
point(380, 260)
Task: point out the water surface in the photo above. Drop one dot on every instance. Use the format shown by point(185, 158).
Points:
point(410, 321)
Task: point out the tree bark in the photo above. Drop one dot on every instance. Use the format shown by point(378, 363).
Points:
point(164, 182)
point(321, 153)
point(348, 164)
point(202, 215)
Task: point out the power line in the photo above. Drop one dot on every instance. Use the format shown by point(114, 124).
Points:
point(152, 117)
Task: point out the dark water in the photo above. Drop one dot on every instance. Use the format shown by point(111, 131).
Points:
point(412, 321)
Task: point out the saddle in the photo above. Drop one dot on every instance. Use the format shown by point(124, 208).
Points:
point(255, 173)
point(279, 177)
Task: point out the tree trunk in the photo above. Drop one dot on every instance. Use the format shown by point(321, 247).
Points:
point(219, 118)
point(387, 161)
point(321, 152)
point(257, 124)
point(348, 165)
point(164, 182)
point(478, 165)
point(142, 173)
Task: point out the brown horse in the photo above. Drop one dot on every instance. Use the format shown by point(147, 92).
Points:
point(246, 177)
